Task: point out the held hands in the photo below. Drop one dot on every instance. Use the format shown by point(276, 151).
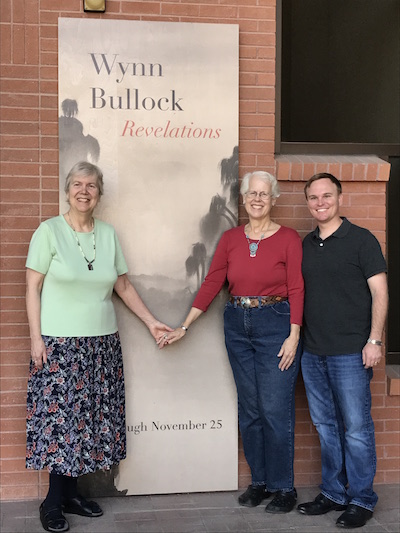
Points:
point(38, 353)
point(170, 338)
point(178, 333)
point(159, 331)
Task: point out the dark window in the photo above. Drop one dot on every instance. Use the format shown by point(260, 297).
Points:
point(338, 76)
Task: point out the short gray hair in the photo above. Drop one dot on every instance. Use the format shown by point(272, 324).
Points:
point(265, 176)
point(84, 168)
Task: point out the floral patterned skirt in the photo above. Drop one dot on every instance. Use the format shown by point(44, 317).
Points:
point(76, 406)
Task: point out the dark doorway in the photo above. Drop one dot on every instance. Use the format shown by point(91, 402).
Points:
point(393, 239)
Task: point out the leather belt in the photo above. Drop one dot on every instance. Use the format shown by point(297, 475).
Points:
point(258, 301)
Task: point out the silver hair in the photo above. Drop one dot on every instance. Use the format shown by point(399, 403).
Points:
point(84, 168)
point(265, 176)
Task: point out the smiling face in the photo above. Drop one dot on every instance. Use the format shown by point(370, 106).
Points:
point(324, 201)
point(258, 200)
point(83, 193)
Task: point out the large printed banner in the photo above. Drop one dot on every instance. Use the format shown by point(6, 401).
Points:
point(155, 105)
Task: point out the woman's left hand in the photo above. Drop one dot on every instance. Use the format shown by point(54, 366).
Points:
point(287, 352)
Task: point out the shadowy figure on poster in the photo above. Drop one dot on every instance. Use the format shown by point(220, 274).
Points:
point(74, 145)
point(220, 217)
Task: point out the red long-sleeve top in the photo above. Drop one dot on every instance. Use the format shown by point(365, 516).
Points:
point(275, 271)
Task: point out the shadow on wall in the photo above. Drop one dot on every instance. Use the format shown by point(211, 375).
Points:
point(100, 484)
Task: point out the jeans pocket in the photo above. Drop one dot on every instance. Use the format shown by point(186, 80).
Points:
point(281, 308)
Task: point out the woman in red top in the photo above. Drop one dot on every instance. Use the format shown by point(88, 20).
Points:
point(262, 319)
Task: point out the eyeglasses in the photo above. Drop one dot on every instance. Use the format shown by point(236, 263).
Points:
point(254, 194)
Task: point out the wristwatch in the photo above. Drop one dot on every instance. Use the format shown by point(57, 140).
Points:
point(374, 341)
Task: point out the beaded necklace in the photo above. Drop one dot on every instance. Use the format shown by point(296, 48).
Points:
point(89, 263)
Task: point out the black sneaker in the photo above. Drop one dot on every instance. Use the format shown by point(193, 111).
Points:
point(254, 495)
point(283, 502)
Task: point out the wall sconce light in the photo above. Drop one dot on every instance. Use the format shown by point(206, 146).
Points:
point(94, 6)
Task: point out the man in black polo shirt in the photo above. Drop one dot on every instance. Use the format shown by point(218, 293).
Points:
point(345, 310)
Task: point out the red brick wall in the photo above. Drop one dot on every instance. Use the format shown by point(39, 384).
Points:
point(29, 194)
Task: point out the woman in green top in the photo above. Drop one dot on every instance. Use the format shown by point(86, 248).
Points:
point(76, 397)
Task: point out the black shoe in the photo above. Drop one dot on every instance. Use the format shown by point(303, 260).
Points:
point(354, 516)
point(320, 505)
point(82, 507)
point(283, 502)
point(52, 519)
point(254, 495)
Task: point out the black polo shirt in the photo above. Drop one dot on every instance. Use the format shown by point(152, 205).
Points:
point(337, 306)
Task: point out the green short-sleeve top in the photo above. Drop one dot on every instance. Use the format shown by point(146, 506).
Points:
point(76, 301)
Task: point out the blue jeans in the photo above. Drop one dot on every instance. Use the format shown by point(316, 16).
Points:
point(253, 338)
point(339, 399)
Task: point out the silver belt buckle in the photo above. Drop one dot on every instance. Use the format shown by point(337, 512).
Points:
point(245, 302)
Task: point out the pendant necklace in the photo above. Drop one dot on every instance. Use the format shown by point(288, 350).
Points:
point(253, 246)
point(89, 263)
